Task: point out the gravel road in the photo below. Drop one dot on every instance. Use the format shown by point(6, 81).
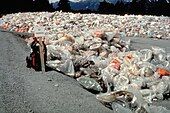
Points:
point(23, 90)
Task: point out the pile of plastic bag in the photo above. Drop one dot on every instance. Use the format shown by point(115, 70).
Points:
point(91, 49)
point(83, 24)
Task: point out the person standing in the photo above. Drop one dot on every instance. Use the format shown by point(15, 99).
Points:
point(34, 61)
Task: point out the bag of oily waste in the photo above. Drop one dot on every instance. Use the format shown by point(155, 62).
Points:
point(138, 82)
point(107, 75)
point(146, 55)
point(146, 72)
point(58, 51)
point(126, 99)
point(60, 60)
point(89, 83)
point(168, 57)
point(68, 68)
point(113, 96)
point(65, 67)
point(160, 56)
point(131, 57)
point(99, 61)
point(154, 88)
point(158, 50)
point(117, 108)
point(120, 81)
point(155, 92)
point(81, 62)
point(160, 89)
point(161, 64)
point(139, 100)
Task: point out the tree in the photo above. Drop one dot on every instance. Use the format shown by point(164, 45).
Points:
point(64, 5)
point(42, 5)
point(106, 8)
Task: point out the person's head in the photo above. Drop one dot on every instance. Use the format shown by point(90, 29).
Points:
point(35, 39)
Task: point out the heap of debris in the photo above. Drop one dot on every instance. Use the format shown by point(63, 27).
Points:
point(91, 49)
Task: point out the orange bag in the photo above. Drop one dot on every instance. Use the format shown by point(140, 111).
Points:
point(98, 34)
point(163, 72)
point(116, 64)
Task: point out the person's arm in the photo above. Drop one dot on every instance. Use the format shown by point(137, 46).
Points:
point(33, 45)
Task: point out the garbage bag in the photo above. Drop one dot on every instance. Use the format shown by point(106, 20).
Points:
point(120, 81)
point(56, 50)
point(138, 82)
point(99, 61)
point(146, 71)
point(141, 102)
point(162, 72)
point(168, 57)
point(161, 56)
point(148, 65)
point(159, 53)
point(146, 55)
point(107, 75)
point(89, 83)
point(79, 40)
point(133, 70)
point(108, 97)
point(67, 68)
point(164, 64)
point(162, 87)
point(157, 50)
point(148, 95)
point(54, 64)
point(117, 108)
